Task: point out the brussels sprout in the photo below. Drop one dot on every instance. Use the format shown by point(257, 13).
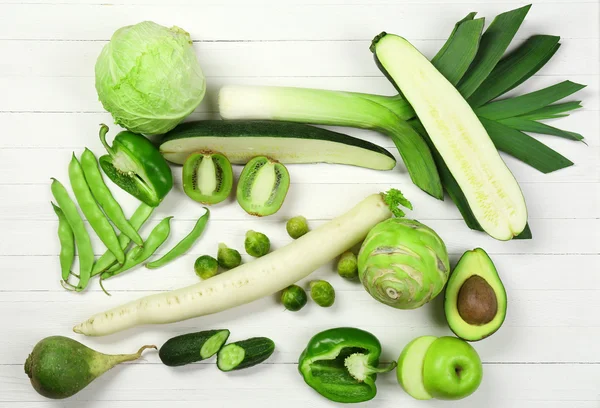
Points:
point(347, 265)
point(294, 298)
point(403, 263)
point(227, 257)
point(206, 266)
point(322, 293)
point(297, 227)
point(257, 244)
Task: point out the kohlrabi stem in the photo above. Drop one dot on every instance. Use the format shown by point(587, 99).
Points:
point(103, 132)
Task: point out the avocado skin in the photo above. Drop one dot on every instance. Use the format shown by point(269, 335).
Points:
point(59, 367)
point(474, 262)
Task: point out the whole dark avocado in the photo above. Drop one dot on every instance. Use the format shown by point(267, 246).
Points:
point(475, 300)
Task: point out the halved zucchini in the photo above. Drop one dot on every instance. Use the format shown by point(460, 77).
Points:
point(285, 142)
point(489, 187)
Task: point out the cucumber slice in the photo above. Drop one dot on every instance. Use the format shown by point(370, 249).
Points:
point(192, 347)
point(488, 185)
point(285, 142)
point(245, 353)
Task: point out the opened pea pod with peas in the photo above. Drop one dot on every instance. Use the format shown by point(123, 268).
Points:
point(401, 263)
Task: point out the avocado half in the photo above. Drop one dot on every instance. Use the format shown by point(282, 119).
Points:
point(475, 299)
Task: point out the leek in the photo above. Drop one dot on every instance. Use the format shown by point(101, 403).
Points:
point(474, 64)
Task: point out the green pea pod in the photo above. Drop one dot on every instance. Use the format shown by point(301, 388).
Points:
point(82, 238)
point(135, 164)
point(67, 243)
point(108, 260)
point(104, 197)
point(137, 255)
point(184, 245)
point(92, 211)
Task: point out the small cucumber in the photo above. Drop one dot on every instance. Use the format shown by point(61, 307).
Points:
point(245, 353)
point(192, 347)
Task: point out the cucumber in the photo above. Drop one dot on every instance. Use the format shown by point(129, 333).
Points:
point(285, 142)
point(192, 347)
point(490, 188)
point(245, 353)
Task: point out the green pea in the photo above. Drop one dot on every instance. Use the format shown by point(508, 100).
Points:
point(82, 238)
point(137, 255)
point(184, 245)
point(108, 260)
point(67, 243)
point(104, 197)
point(322, 293)
point(92, 211)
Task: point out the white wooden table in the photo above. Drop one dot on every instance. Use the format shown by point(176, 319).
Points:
point(546, 354)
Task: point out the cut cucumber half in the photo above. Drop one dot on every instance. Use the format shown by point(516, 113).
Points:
point(192, 347)
point(207, 177)
point(488, 185)
point(285, 142)
point(262, 187)
point(245, 353)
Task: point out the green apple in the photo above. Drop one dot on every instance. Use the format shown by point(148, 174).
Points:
point(452, 369)
point(410, 367)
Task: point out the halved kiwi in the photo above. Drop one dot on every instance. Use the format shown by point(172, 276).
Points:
point(207, 177)
point(263, 186)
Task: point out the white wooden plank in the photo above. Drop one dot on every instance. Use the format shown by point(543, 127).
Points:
point(227, 3)
point(75, 130)
point(14, 169)
point(521, 272)
point(281, 22)
point(78, 94)
point(294, 402)
point(503, 385)
point(567, 236)
point(532, 315)
point(263, 59)
point(570, 201)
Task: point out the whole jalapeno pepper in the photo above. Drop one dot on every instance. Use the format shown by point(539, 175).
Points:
point(135, 164)
point(342, 364)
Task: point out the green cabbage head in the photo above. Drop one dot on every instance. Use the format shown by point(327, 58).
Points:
point(403, 263)
point(148, 77)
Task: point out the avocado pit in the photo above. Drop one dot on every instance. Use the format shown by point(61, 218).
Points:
point(477, 303)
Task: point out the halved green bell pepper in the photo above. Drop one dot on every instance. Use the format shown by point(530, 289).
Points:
point(342, 364)
point(135, 164)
